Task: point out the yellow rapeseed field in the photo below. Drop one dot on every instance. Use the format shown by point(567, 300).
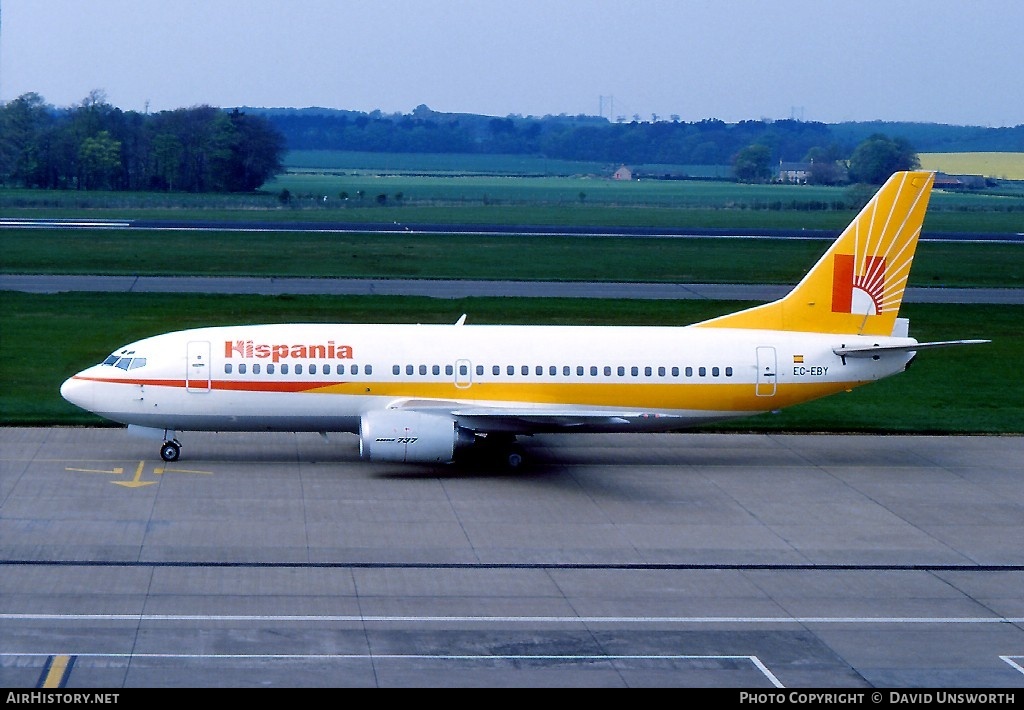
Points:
point(1008, 166)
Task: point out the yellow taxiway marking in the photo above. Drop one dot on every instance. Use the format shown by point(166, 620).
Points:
point(56, 672)
point(136, 482)
point(116, 471)
point(158, 471)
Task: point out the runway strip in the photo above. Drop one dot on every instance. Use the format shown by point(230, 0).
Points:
point(460, 289)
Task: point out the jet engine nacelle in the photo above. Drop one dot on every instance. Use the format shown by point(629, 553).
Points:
point(410, 437)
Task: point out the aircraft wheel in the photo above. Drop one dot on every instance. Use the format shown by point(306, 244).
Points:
point(514, 460)
point(170, 451)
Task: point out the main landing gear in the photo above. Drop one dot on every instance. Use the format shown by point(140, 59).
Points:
point(171, 450)
point(501, 450)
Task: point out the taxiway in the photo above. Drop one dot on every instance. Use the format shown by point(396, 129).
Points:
point(679, 560)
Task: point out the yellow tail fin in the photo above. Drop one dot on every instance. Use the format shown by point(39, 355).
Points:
point(858, 285)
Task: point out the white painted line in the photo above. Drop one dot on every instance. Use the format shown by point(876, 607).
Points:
point(527, 619)
point(754, 660)
point(1014, 664)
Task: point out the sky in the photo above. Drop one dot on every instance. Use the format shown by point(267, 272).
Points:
point(958, 62)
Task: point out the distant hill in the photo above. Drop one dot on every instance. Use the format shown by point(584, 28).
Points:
point(937, 137)
point(591, 138)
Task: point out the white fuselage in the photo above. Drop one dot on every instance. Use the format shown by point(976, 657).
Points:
point(319, 377)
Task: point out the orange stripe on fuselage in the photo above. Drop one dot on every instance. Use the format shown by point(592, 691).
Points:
point(227, 385)
point(719, 396)
point(703, 396)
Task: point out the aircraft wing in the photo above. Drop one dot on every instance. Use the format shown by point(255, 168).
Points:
point(529, 419)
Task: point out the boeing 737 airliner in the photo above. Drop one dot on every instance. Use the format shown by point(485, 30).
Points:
point(426, 393)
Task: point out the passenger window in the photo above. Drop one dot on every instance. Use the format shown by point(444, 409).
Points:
point(702, 372)
point(327, 369)
point(368, 370)
point(312, 369)
point(284, 369)
point(675, 372)
point(270, 369)
point(396, 370)
point(241, 369)
point(622, 371)
point(256, 369)
point(423, 369)
point(409, 369)
point(593, 371)
point(607, 371)
point(298, 369)
point(689, 372)
point(510, 369)
point(647, 371)
point(566, 371)
point(463, 370)
point(579, 370)
point(355, 369)
point(449, 370)
point(715, 371)
point(634, 371)
point(728, 372)
point(525, 370)
point(661, 372)
point(552, 370)
point(227, 368)
point(539, 370)
point(496, 370)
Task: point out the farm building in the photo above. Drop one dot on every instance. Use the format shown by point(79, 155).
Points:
point(794, 172)
point(623, 173)
point(959, 182)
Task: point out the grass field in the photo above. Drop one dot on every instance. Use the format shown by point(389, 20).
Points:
point(947, 213)
point(524, 258)
point(966, 390)
point(1007, 166)
point(341, 162)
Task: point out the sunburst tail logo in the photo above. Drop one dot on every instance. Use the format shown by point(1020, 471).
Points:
point(858, 285)
point(858, 292)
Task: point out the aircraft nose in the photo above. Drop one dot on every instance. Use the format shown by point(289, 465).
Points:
point(78, 392)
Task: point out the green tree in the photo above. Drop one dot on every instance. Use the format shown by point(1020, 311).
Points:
point(24, 123)
point(100, 160)
point(753, 164)
point(256, 152)
point(876, 158)
point(167, 151)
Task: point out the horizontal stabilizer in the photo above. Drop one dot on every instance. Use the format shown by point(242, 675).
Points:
point(872, 350)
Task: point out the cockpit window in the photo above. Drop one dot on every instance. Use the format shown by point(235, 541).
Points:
point(125, 360)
